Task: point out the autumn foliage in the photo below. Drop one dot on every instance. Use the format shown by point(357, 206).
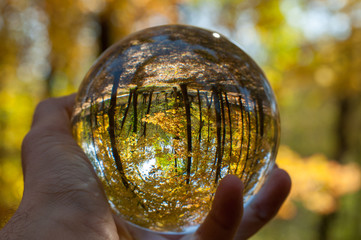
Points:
point(309, 50)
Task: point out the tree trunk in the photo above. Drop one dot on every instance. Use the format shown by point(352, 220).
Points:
point(209, 104)
point(218, 158)
point(200, 118)
point(148, 111)
point(248, 123)
point(341, 137)
point(230, 129)
point(112, 135)
point(126, 109)
point(256, 139)
point(104, 36)
point(135, 111)
point(189, 129)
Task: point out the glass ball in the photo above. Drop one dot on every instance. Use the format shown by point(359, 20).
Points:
point(165, 114)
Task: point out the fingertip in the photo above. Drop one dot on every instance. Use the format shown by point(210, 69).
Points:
point(228, 202)
point(272, 195)
point(282, 181)
point(231, 181)
point(227, 209)
point(265, 205)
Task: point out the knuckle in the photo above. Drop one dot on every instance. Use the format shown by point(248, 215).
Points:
point(28, 142)
point(30, 145)
point(260, 213)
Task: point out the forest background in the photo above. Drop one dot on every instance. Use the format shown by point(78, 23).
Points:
point(310, 50)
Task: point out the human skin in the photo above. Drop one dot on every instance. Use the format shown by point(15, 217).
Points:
point(63, 198)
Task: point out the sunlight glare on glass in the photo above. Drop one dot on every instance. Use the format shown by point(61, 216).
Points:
point(216, 35)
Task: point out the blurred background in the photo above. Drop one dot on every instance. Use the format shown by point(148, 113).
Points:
point(310, 51)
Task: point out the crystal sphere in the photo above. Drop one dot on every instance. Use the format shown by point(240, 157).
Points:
point(165, 114)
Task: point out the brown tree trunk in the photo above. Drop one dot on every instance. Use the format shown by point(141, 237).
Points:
point(105, 29)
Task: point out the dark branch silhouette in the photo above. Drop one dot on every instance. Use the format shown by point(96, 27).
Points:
point(230, 129)
point(148, 111)
point(135, 111)
point(200, 118)
point(249, 123)
point(218, 158)
point(175, 161)
point(111, 130)
point(209, 104)
point(126, 109)
point(112, 135)
point(94, 126)
point(256, 138)
point(176, 138)
point(189, 129)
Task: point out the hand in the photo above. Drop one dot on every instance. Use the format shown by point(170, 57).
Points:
point(63, 198)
